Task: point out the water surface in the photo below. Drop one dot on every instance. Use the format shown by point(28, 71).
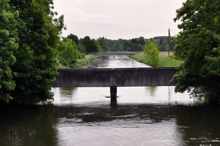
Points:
point(117, 61)
point(127, 125)
point(146, 116)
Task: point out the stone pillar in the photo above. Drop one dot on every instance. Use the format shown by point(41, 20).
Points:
point(113, 95)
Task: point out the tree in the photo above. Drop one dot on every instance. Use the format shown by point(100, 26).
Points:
point(35, 68)
point(151, 53)
point(8, 46)
point(102, 44)
point(89, 45)
point(199, 44)
point(68, 52)
point(74, 38)
point(137, 44)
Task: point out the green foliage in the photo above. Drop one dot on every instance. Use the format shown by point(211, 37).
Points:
point(101, 44)
point(68, 52)
point(199, 44)
point(35, 68)
point(74, 38)
point(169, 61)
point(134, 44)
point(164, 60)
point(85, 61)
point(8, 45)
point(151, 53)
point(88, 45)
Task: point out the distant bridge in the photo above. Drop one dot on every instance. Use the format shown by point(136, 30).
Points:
point(115, 77)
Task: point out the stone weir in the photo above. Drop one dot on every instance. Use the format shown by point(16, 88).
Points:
point(115, 77)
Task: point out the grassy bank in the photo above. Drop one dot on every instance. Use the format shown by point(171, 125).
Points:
point(164, 59)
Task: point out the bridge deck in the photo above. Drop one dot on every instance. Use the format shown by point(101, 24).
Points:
point(120, 77)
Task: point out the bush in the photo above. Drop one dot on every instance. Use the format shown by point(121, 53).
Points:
point(68, 53)
point(151, 53)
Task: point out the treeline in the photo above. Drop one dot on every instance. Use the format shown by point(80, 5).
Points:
point(89, 45)
point(135, 44)
point(73, 48)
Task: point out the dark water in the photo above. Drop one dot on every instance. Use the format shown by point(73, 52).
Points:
point(148, 116)
point(128, 125)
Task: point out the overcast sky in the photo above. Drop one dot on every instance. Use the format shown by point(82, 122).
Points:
point(119, 18)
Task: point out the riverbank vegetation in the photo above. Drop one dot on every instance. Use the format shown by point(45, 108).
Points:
point(198, 44)
point(73, 52)
point(153, 57)
point(83, 62)
point(164, 59)
point(68, 53)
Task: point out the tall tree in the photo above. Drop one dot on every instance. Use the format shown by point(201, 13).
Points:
point(199, 44)
point(35, 68)
point(8, 45)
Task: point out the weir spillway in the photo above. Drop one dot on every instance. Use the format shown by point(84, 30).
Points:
point(115, 77)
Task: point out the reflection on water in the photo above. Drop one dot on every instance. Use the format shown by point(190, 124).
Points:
point(27, 127)
point(126, 95)
point(67, 91)
point(152, 91)
point(127, 125)
point(66, 95)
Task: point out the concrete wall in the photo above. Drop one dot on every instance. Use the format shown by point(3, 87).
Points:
point(121, 77)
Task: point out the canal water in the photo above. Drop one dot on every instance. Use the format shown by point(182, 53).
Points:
point(146, 116)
